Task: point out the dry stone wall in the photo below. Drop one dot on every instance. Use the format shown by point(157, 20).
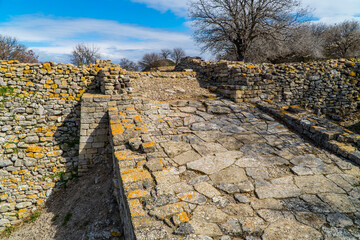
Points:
point(331, 86)
point(39, 131)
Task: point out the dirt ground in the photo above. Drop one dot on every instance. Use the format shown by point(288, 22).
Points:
point(86, 209)
point(164, 89)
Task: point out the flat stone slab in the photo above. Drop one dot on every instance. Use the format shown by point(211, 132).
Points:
point(186, 157)
point(317, 184)
point(230, 175)
point(172, 149)
point(290, 230)
point(213, 164)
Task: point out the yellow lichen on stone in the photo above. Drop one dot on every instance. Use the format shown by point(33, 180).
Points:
point(34, 149)
point(135, 175)
point(137, 194)
point(136, 208)
point(352, 74)
point(117, 129)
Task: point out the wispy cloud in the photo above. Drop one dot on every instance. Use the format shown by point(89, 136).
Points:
point(334, 11)
point(328, 11)
point(179, 7)
point(58, 36)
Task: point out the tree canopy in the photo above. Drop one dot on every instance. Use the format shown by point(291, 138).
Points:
point(11, 49)
point(234, 25)
point(84, 54)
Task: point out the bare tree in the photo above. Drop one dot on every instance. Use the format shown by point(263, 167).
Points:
point(177, 54)
point(165, 53)
point(149, 60)
point(84, 54)
point(11, 49)
point(343, 40)
point(233, 25)
point(128, 64)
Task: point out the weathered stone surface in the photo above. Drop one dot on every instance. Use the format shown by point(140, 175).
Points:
point(232, 227)
point(166, 211)
point(213, 164)
point(311, 219)
point(206, 228)
point(230, 175)
point(209, 214)
point(192, 197)
point(206, 189)
point(339, 220)
point(338, 202)
point(337, 233)
point(172, 149)
point(285, 229)
point(278, 190)
point(317, 184)
point(186, 157)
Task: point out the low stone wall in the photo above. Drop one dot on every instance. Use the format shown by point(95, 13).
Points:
point(331, 86)
point(322, 131)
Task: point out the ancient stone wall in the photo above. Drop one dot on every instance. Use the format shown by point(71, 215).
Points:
point(332, 86)
point(39, 131)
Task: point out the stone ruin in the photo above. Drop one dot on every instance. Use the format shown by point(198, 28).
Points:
point(246, 162)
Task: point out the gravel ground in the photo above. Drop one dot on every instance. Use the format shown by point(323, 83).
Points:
point(164, 89)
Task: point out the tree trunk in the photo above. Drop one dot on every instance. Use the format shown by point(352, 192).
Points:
point(240, 50)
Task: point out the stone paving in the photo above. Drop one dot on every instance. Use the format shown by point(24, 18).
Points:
point(213, 169)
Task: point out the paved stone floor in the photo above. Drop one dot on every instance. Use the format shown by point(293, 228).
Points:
point(228, 171)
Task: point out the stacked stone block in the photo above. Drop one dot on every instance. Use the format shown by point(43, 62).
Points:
point(94, 131)
point(331, 86)
point(39, 131)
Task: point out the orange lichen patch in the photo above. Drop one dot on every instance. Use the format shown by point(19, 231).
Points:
point(22, 213)
point(54, 153)
point(4, 196)
point(34, 149)
point(187, 197)
point(47, 66)
point(135, 175)
point(352, 74)
point(38, 155)
point(117, 129)
point(137, 118)
point(136, 208)
point(137, 194)
point(143, 129)
point(48, 185)
point(32, 196)
point(40, 202)
point(9, 146)
point(182, 217)
point(49, 134)
point(22, 172)
point(11, 138)
point(149, 144)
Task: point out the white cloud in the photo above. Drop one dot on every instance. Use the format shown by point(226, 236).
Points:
point(328, 11)
point(58, 36)
point(179, 7)
point(334, 11)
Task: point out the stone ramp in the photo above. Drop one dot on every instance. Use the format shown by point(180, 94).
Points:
point(213, 169)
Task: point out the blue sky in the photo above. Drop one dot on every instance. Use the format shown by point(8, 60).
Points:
point(120, 28)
